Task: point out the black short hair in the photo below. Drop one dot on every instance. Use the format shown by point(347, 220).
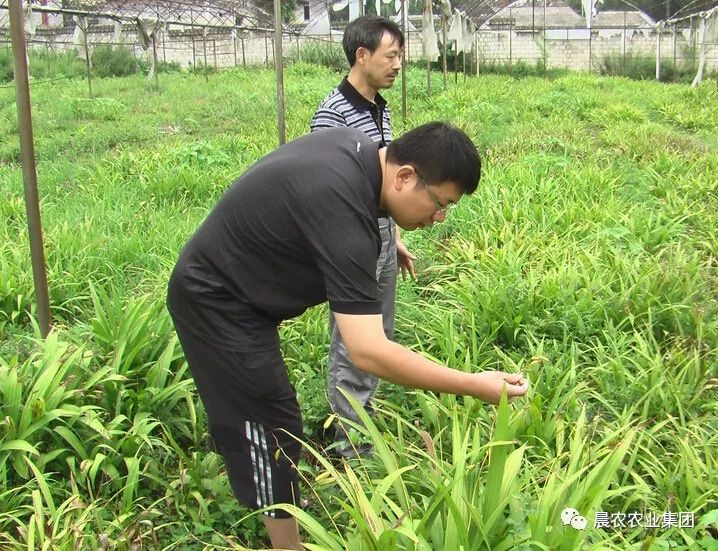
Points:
point(439, 152)
point(366, 32)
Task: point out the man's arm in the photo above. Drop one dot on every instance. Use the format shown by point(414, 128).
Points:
point(371, 351)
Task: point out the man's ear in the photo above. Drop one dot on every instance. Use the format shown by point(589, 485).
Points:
point(405, 175)
point(361, 54)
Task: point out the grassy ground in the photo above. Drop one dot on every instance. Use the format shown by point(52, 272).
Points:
point(587, 259)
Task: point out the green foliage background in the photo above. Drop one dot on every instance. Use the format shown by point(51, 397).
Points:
point(586, 259)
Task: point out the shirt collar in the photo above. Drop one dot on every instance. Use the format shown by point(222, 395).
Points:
point(359, 102)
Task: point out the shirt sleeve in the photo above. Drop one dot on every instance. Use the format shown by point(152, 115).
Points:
point(344, 243)
point(327, 118)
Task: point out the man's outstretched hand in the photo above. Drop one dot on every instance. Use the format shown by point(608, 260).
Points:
point(490, 384)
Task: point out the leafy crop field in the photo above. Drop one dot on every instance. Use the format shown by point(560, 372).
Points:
point(586, 259)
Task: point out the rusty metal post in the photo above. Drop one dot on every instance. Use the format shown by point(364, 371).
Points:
point(279, 70)
point(29, 170)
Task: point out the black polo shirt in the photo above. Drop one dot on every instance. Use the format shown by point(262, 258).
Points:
point(297, 228)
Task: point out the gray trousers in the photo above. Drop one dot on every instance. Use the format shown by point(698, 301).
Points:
point(341, 372)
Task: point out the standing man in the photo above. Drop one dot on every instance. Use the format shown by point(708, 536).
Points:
point(374, 47)
point(299, 228)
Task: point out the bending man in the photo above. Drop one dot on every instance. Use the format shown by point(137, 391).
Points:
point(298, 228)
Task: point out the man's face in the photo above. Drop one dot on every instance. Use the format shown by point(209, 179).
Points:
point(381, 68)
point(417, 205)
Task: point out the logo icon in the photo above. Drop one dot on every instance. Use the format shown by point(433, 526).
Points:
point(571, 516)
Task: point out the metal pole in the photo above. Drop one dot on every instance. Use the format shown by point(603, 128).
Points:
point(427, 6)
point(266, 50)
point(234, 45)
point(658, 54)
point(463, 60)
point(474, 54)
point(545, 57)
point(407, 33)
point(274, 56)
point(511, 40)
point(279, 69)
point(244, 59)
point(623, 63)
point(456, 61)
point(443, 44)
point(29, 171)
point(673, 30)
point(403, 65)
point(164, 53)
point(204, 53)
point(428, 77)
point(692, 37)
point(214, 52)
point(194, 48)
point(87, 58)
point(157, 69)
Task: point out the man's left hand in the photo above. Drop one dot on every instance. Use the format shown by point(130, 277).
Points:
point(404, 259)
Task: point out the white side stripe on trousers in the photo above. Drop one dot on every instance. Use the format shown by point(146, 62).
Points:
point(260, 464)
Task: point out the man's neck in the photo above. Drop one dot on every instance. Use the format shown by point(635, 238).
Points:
point(356, 80)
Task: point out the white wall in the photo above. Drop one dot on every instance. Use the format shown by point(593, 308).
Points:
point(187, 47)
point(582, 52)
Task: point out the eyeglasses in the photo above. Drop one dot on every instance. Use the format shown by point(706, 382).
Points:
point(437, 204)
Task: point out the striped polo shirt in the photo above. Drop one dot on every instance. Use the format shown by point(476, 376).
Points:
point(345, 106)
